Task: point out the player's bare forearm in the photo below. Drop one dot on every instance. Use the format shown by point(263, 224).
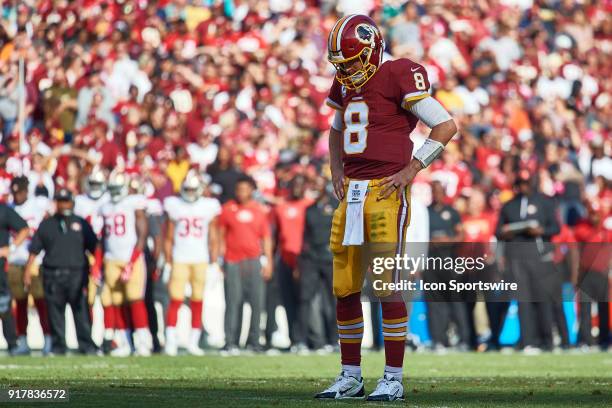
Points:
point(213, 240)
point(141, 229)
point(335, 162)
point(169, 241)
point(21, 236)
point(442, 133)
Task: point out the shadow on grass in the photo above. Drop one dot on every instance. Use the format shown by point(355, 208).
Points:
point(424, 392)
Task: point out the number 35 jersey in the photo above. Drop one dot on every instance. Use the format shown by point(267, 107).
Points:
point(191, 222)
point(120, 226)
point(377, 124)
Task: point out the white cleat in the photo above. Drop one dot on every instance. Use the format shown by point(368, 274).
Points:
point(121, 351)
point(170, 350)
point(388, 388)
point(194, 350)
point(344, 387)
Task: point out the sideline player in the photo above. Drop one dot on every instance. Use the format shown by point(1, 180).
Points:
point(33, 210)
point(125, 232)
point(88, 206)
point(377, 107)
point(190, 244)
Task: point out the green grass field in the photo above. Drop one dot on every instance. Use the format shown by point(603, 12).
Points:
point(453, 380)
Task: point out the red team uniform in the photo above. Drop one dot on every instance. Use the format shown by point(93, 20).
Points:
point(374, 100)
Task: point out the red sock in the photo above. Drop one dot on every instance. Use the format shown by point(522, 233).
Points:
point(349, 317)
point(196, 314)
point(139, 314)
point(21, 316)
point(395, 326)
point(120, 323)
point(172, 314)
point(91, 313)
point(109, 317)
point(43, 315)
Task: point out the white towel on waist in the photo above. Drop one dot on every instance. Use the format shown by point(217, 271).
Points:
point(355, 200)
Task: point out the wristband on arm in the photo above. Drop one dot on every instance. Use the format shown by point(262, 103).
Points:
point(427, 153)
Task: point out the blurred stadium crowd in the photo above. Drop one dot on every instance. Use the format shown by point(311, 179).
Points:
point(157, 88)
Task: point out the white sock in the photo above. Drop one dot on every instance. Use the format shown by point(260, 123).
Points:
point(395, 372)
point(142, 337)
point(171, 336)
point(194, 338)
point(353, 371)
point(121, 337)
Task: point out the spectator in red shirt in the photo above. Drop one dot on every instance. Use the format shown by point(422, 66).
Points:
point(247, 245)
point(289, 216)
point(595, 236)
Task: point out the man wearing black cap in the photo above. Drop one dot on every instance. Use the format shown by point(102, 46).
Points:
point(526, 225)
point(10, 221)
point(65, 238)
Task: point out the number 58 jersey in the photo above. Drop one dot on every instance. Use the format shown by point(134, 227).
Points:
point(191, 227)
point(377, 123)
point(120, 236)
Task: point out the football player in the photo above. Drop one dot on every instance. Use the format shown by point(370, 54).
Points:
point(124, 236)
point(33, 210)
point(88, 206)
point(377, 106)
point(190, 244)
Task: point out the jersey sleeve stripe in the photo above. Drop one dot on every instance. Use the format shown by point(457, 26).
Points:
point(413, 96)
point(332, 104)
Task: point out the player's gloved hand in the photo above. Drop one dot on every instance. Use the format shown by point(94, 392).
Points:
point(127, 272)
point(338, 181)
point(399, 180)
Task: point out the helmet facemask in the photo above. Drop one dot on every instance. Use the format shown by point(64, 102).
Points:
point(191, 189)
point(117, 192)
point(353, 78)
point(95, 189)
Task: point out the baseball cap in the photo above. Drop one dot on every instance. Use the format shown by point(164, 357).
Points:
point(63, 194)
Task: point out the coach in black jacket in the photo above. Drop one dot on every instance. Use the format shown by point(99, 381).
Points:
point(526, 225)
point(65, 238)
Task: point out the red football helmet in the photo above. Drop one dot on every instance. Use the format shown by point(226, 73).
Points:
point(355, 38)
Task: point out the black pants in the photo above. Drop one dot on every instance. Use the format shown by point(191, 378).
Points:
point(537, 290)
point(67, 287)
point(150, 301)
point(290, 294)
point(8, 322)
point(593, 287)
point(316, 278)
point(243, 282)
point(445, 307)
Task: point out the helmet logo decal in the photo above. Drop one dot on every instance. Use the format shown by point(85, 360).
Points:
point(365, 33)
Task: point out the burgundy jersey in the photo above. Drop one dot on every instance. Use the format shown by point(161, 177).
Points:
point(376, 137)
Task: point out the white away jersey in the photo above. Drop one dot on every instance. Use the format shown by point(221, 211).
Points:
point(191, 227)
point(120, 227)
point(88, 208)
point(33, 211)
